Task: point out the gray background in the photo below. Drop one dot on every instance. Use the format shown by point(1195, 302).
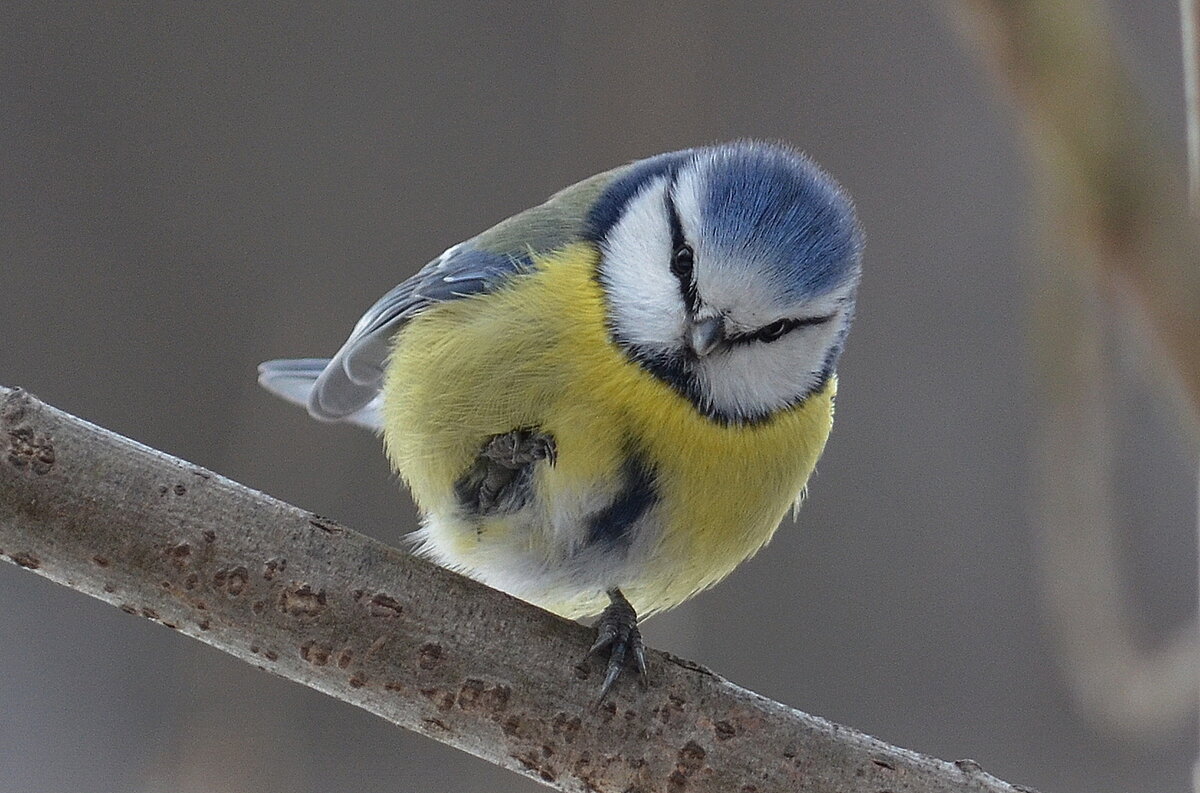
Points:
point(189, 190)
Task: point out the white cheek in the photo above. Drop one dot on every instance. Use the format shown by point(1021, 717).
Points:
point(757, 378)
point(643, 295)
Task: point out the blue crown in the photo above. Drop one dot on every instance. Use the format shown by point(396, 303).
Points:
point(777, 208)
point(764, 203)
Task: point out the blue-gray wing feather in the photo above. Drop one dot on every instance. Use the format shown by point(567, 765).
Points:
point(347, 386)
point(355, 374)
point(293, 380)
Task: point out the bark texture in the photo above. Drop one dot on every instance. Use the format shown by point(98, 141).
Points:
point(310, 600)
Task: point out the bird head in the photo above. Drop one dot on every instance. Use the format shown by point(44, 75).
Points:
point(730, 272)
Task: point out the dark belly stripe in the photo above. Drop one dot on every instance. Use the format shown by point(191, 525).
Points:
point(611, 525)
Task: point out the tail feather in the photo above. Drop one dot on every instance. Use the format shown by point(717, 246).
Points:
point(294, 380)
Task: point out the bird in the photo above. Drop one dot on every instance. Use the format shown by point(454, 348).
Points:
point(605, 403)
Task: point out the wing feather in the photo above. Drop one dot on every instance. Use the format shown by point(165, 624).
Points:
point(352, 379)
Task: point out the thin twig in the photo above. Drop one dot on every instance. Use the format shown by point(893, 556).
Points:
point(1118, 682)
point(1095, 140)
point(1189, 26)
point(1119, 228)
point(312, 601)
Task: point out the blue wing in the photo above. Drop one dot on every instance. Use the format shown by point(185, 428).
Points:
point(350, 381)
point(346, 387)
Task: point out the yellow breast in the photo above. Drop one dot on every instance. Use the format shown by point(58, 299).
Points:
point(537, 353)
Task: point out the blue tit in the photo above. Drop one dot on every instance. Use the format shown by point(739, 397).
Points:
point(605, 403)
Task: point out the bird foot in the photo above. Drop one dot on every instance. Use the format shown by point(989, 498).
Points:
point(617, 631)
point(521, 447)
point(501, 478)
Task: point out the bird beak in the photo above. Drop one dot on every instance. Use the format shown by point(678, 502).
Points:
point(706, 334)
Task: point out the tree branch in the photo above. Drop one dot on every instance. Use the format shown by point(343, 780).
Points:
point(314, 602)
point(1100, 152)
point(1116, 224)
point(1189, 28)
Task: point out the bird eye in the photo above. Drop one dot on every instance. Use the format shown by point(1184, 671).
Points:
point(774, 331)
point(682, 262)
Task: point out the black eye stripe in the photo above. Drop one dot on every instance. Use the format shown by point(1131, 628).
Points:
point(682, 256)
point(777, 329)
point(773, 331)
point(682, 262)
point(677, 238)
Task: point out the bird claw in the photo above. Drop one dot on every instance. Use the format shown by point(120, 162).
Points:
point(521, 447)
point(617, 631)
point(500, 478)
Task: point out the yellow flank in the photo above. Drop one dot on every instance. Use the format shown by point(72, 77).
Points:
point(537, 353)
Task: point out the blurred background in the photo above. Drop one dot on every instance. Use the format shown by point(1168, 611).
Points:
point(190, 189)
